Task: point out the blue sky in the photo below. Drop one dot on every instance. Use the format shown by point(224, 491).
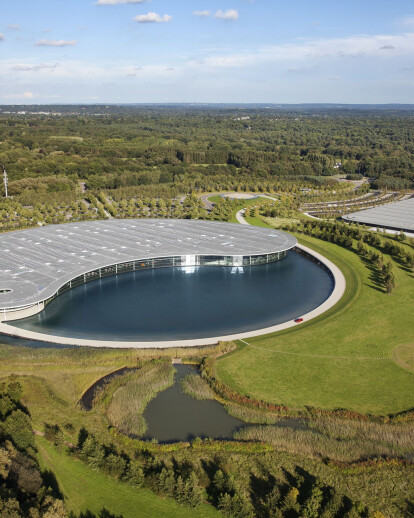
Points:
point(92, 51)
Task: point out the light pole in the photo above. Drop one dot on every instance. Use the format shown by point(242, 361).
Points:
point(5, 181)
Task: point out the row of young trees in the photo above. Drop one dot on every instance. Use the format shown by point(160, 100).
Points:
point(368, 244)
point(14, 215)
point(385, 269)
point(101, 205)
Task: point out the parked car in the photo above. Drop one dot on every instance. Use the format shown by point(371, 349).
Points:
point(298, 320)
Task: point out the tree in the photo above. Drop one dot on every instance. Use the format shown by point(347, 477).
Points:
point(114, 465)
point(18, 427)
point(167, 483)
point(192, 491)
point(290, 501)
point(134, 474)
point(10, 508)
point(333, 506)
point(313, 503)
point(237, 506)
point(271, 504)
point(5, 461)
point(389, 285)
point(25, 474)
point(92, 452)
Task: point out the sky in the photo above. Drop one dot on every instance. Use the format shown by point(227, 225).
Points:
point(206, 51)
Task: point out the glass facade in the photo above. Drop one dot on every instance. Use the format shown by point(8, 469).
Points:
point(168, 262)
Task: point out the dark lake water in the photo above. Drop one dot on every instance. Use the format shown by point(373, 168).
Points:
point(174, 416)
point(186, 303)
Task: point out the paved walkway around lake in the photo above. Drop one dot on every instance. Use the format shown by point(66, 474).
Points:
point(338, 291)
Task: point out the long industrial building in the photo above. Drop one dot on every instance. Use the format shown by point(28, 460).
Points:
point(394, 216)
point(38, 264)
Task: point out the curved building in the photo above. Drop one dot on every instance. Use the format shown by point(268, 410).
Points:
point(38, 264)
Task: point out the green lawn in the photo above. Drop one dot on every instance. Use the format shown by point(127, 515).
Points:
point(365, 323)
point(243, 203)
point(85, 489)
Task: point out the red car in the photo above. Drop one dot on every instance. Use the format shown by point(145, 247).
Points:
point(298, 320)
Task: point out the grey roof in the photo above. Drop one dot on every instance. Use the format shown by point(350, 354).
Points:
point(35, 263)
point(398, 215)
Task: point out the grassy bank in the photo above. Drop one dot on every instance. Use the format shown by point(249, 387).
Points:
point(337, 440)
point(342, 359)
point(196, 387)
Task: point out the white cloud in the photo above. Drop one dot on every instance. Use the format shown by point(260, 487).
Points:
point(407, 21)
point(118, 2)
point(56, 43)
point(364, 65)
point(35, 68)
point(24, 95)
point(201, 14)
point(152, 18)
point(302, 69)
point(230, 14)
point(1, 36)
point(29, 95)
point(13, 27)
point(351, 47)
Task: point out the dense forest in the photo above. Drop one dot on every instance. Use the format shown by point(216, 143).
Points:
point(147, 146)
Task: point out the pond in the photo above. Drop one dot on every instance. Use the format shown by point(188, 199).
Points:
point(186, 303)
point(174, 416)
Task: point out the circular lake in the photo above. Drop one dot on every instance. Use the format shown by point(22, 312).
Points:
point(186, 303)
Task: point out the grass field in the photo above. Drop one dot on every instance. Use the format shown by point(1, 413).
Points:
point(85, 489)
point(335, 361)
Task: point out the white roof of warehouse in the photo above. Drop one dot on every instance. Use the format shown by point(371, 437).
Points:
point(398, 215)
point(35, 263)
